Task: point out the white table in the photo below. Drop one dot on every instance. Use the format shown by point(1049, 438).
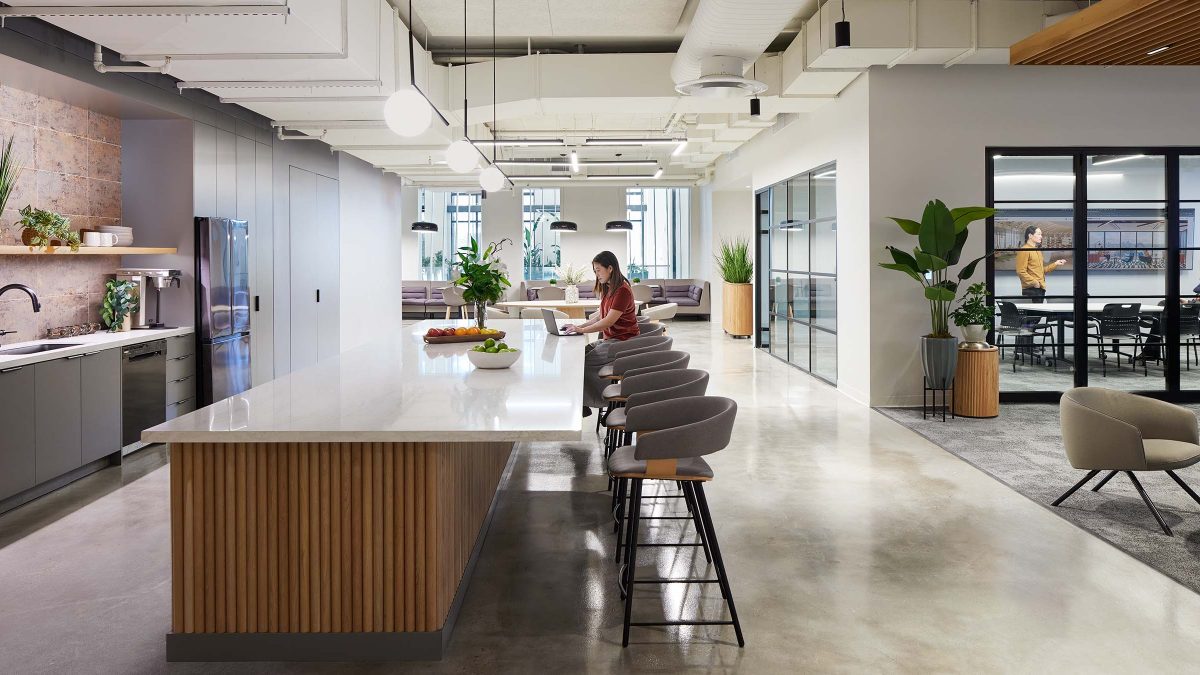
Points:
point(337, 512)
point(1062, 312)
point(573, 310)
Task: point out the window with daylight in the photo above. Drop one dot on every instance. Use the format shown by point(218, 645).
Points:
point(658, 244)
point(539, 208)
point(459, 217)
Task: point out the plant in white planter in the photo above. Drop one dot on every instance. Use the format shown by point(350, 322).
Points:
point(973, 317)
point(571, 277)
point(941, 235)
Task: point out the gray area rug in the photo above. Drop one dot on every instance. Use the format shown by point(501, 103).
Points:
point(1022, 448)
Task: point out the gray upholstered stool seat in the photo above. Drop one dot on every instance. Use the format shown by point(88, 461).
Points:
point(606, 371)
point(612, 391)
point(615, 419)
point(1163, 454)
point(623, 464)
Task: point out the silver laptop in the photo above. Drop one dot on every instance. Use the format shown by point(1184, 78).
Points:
point(552, 324)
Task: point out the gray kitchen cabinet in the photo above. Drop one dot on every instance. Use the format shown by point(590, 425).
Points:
point(17, 415)
point(58, 446)
point(100, 404)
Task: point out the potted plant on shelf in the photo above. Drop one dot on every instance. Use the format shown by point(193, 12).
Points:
point(737, 271)
point(482, 276)
point(974, 317)
point(572, 276)
point(636, 280)
point(120, 297)
point(10, 171)
point(554, 282)
point(941, 235)
point(46, 229)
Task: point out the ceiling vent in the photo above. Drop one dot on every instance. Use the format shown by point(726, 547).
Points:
point(721, 77)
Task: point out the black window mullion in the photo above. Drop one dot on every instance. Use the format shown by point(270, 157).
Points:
point(1079, 269)
point(1170, 336)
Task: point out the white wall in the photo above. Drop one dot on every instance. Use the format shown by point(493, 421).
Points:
point(837, 132)
point(929, 128)
point(501, 220)
point(371, 251)
point(592, 208)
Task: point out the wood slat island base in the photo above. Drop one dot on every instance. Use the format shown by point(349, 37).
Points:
point(325, 551)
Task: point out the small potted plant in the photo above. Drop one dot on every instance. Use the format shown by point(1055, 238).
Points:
point(637, 280)
point(973, 317)
point(571, 276)
point(554, 282)
point(482, 276)
point(46, 229)
point(120, 298)
point(737, 302)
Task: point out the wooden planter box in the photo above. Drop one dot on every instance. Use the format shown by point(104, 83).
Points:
point(737, 309)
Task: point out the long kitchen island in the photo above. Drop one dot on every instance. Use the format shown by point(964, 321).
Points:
point(335, 514)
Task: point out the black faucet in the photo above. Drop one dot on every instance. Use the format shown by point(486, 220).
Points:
point(37, 305)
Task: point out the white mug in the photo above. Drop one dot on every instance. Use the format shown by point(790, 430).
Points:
point(99, 239)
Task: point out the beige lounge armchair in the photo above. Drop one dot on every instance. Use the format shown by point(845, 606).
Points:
point(1115, 431)
point(551, 293)
point(496, 313)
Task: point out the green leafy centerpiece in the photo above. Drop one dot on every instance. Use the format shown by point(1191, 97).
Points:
point(120, 297)
point(482, 276)
point(46, 229)
point(941, 235)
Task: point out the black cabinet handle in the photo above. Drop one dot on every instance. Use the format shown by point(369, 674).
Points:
point(318, 295)
point(256, 303)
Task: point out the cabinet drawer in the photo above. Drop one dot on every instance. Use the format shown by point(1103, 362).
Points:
point(181, 366)
point(181, 345)
point(181, 388)
point(183, 407)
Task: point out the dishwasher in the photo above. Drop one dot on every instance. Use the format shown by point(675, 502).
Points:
point(143, 388)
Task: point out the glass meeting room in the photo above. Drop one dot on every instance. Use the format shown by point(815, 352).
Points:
point(1095, 274)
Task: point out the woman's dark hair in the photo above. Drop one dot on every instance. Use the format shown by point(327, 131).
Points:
point(1029, 233)
point(615, 280)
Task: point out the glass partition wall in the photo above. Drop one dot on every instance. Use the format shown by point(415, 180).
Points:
point(797, 273)
point(1095, 274)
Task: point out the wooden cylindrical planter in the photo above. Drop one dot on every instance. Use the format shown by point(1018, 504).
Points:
point(977, 383)
point(737, 309)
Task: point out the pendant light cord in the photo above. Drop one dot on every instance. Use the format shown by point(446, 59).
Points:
point(843, 10)
point(495, 117)
point(466, 129)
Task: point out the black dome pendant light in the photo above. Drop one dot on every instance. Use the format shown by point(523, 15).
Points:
point(618, 226)
point(564, 226)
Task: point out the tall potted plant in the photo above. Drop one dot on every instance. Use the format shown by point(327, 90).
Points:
point(482, 276)
point(737, 271)
point(941, 235)
point(10, 171)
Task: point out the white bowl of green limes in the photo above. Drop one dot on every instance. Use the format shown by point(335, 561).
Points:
point(493, 354)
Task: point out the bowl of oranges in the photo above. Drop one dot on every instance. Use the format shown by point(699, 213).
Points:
point(449, 334)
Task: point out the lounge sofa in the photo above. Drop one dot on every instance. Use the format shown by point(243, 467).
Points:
point(694, 296)
point(423, 298)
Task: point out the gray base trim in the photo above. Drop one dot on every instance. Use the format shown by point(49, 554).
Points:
point(22, 498)
point(339, 647)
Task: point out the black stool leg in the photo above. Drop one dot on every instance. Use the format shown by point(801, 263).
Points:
point(1184, 485)
point(706, 517)
point(689, 497)
point(1146, 498)
point(1068, 493)
point(1104, 480)
point(631, 555)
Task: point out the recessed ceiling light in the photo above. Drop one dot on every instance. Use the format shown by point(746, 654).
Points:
point(634, 141)
point(1097, 161)
point(574, 162)
point(1159, 50)
point(520, 142)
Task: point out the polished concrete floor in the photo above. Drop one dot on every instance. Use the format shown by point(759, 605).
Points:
point(853, 545)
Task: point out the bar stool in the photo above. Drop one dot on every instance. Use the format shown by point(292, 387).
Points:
point(684, 429)
point(649, 329)
point(637, 345)
point(637, 364)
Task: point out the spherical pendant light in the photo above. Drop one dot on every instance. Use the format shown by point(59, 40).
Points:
point(462, 156)
point(407, 113)
point(492, 179)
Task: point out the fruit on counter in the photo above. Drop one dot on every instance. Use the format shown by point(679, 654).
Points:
point(472, 331)
point(492, 347)
point(460, 331)
point(433, 332)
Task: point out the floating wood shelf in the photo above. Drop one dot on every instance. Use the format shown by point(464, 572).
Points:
point(86, 250)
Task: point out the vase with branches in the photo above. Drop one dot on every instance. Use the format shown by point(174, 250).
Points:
point(571, 277)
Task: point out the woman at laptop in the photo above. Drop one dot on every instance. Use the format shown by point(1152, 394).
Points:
point(616, 322)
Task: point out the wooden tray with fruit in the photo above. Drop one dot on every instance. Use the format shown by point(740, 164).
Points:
point(451, 334)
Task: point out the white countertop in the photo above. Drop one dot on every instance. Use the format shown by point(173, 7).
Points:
point(399, 389)
point(87, 344)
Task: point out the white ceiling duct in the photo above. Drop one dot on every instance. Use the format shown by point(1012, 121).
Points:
point(731, 29)
point(721, 78)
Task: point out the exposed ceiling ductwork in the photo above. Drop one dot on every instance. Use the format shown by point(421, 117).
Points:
point(737, 31)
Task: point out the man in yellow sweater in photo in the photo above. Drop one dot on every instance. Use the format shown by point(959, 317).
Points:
point(1030, 267)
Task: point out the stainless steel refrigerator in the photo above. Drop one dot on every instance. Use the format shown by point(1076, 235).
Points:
point(222, 307)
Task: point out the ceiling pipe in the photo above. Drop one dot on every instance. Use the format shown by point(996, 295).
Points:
point(232, 9)
point(98, 64)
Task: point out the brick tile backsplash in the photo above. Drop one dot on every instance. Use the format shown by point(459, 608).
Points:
point(72, 165)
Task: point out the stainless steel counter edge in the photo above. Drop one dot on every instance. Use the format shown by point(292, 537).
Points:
point(151, 436)
point(87, 344)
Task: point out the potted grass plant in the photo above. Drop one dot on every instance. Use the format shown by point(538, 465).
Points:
point(941, 235)
point(571, 277)
point(737, 271)
point(10, 172)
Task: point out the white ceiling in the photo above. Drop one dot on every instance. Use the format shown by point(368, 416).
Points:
point(557, 95)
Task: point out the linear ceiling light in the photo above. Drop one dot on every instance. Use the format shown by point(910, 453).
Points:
point(574, 162)
point(1114, 159)
point(1159, 50)
point(634, 141)
point(244, 9)
point(519, 142)
point(558, 164)
point(645, 176)
point(274, 84)
point(658, 174)
point(536, 178)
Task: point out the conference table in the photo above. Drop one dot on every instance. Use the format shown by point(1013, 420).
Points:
point(573, 310)
point(336, 513)
point(1062, 312)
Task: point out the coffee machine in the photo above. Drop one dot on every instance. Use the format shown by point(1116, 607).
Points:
point(144, 280)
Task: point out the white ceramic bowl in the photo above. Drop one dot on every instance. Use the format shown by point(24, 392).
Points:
point(497, 360)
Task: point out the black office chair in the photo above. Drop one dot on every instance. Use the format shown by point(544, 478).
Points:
point(1119, 323)
point(1021, 328)
point(1189, 331)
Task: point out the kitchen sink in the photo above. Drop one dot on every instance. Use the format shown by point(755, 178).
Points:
point(37, 349)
